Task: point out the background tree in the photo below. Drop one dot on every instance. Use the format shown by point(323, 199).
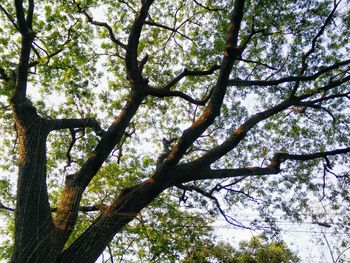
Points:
point(107, 113)
point(259, 251)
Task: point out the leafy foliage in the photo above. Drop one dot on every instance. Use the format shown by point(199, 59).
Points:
point(163, 110)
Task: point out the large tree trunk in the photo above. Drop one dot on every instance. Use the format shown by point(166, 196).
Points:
point(33, 222)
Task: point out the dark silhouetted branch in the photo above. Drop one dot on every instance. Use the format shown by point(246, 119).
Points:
point(187, 72)
point(60, 124)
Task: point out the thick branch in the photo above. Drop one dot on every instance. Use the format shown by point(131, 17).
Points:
point(30, 13)
point(124, 209)
point(61, 124)
point(26, 44)
point(191, 172)
point(133, 71)
point(214, 105)
point(76, 184)
point(234, 139)
point(21, 21)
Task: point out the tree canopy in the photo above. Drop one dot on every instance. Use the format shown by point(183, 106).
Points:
point(109, 107)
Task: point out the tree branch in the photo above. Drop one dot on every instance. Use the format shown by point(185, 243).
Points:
point(60, 124)
point(161, 93)
point(27, 39)
point(281, 157)
point(3, 75)
point(174, 30)
point(318, 35)
point(323, 70)
point(2, 206)
point(30, 13)
point(76, 184)
point(85, 209)
point(48, 56)
point(191, 171)
point(124, 209)
point(209, 195)
point(7, 14)
point(90, 208)
point(234, 139)
point(21, 20)
point(216, 99)
point(208, 8)
point(133, 70)
point(101, 24)
point(304, 64)
point(187, 72)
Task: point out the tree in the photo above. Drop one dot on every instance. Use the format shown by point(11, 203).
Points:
point(155, 96)
point(259, 251)
point(256, 250)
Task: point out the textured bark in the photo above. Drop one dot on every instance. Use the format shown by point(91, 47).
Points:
point(90, 245)
point(33, 222)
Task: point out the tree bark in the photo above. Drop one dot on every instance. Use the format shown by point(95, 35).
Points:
point(33, 222)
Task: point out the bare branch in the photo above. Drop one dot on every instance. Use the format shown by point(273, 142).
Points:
point(101, 24)
point(2, 206)
point(49, 56)
point(208, 8)
point(161, 93)
point(187, 72)
point(8, 15)
point(174, 30)
point(323, 70)
point(228, 219)
point(304, 64)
